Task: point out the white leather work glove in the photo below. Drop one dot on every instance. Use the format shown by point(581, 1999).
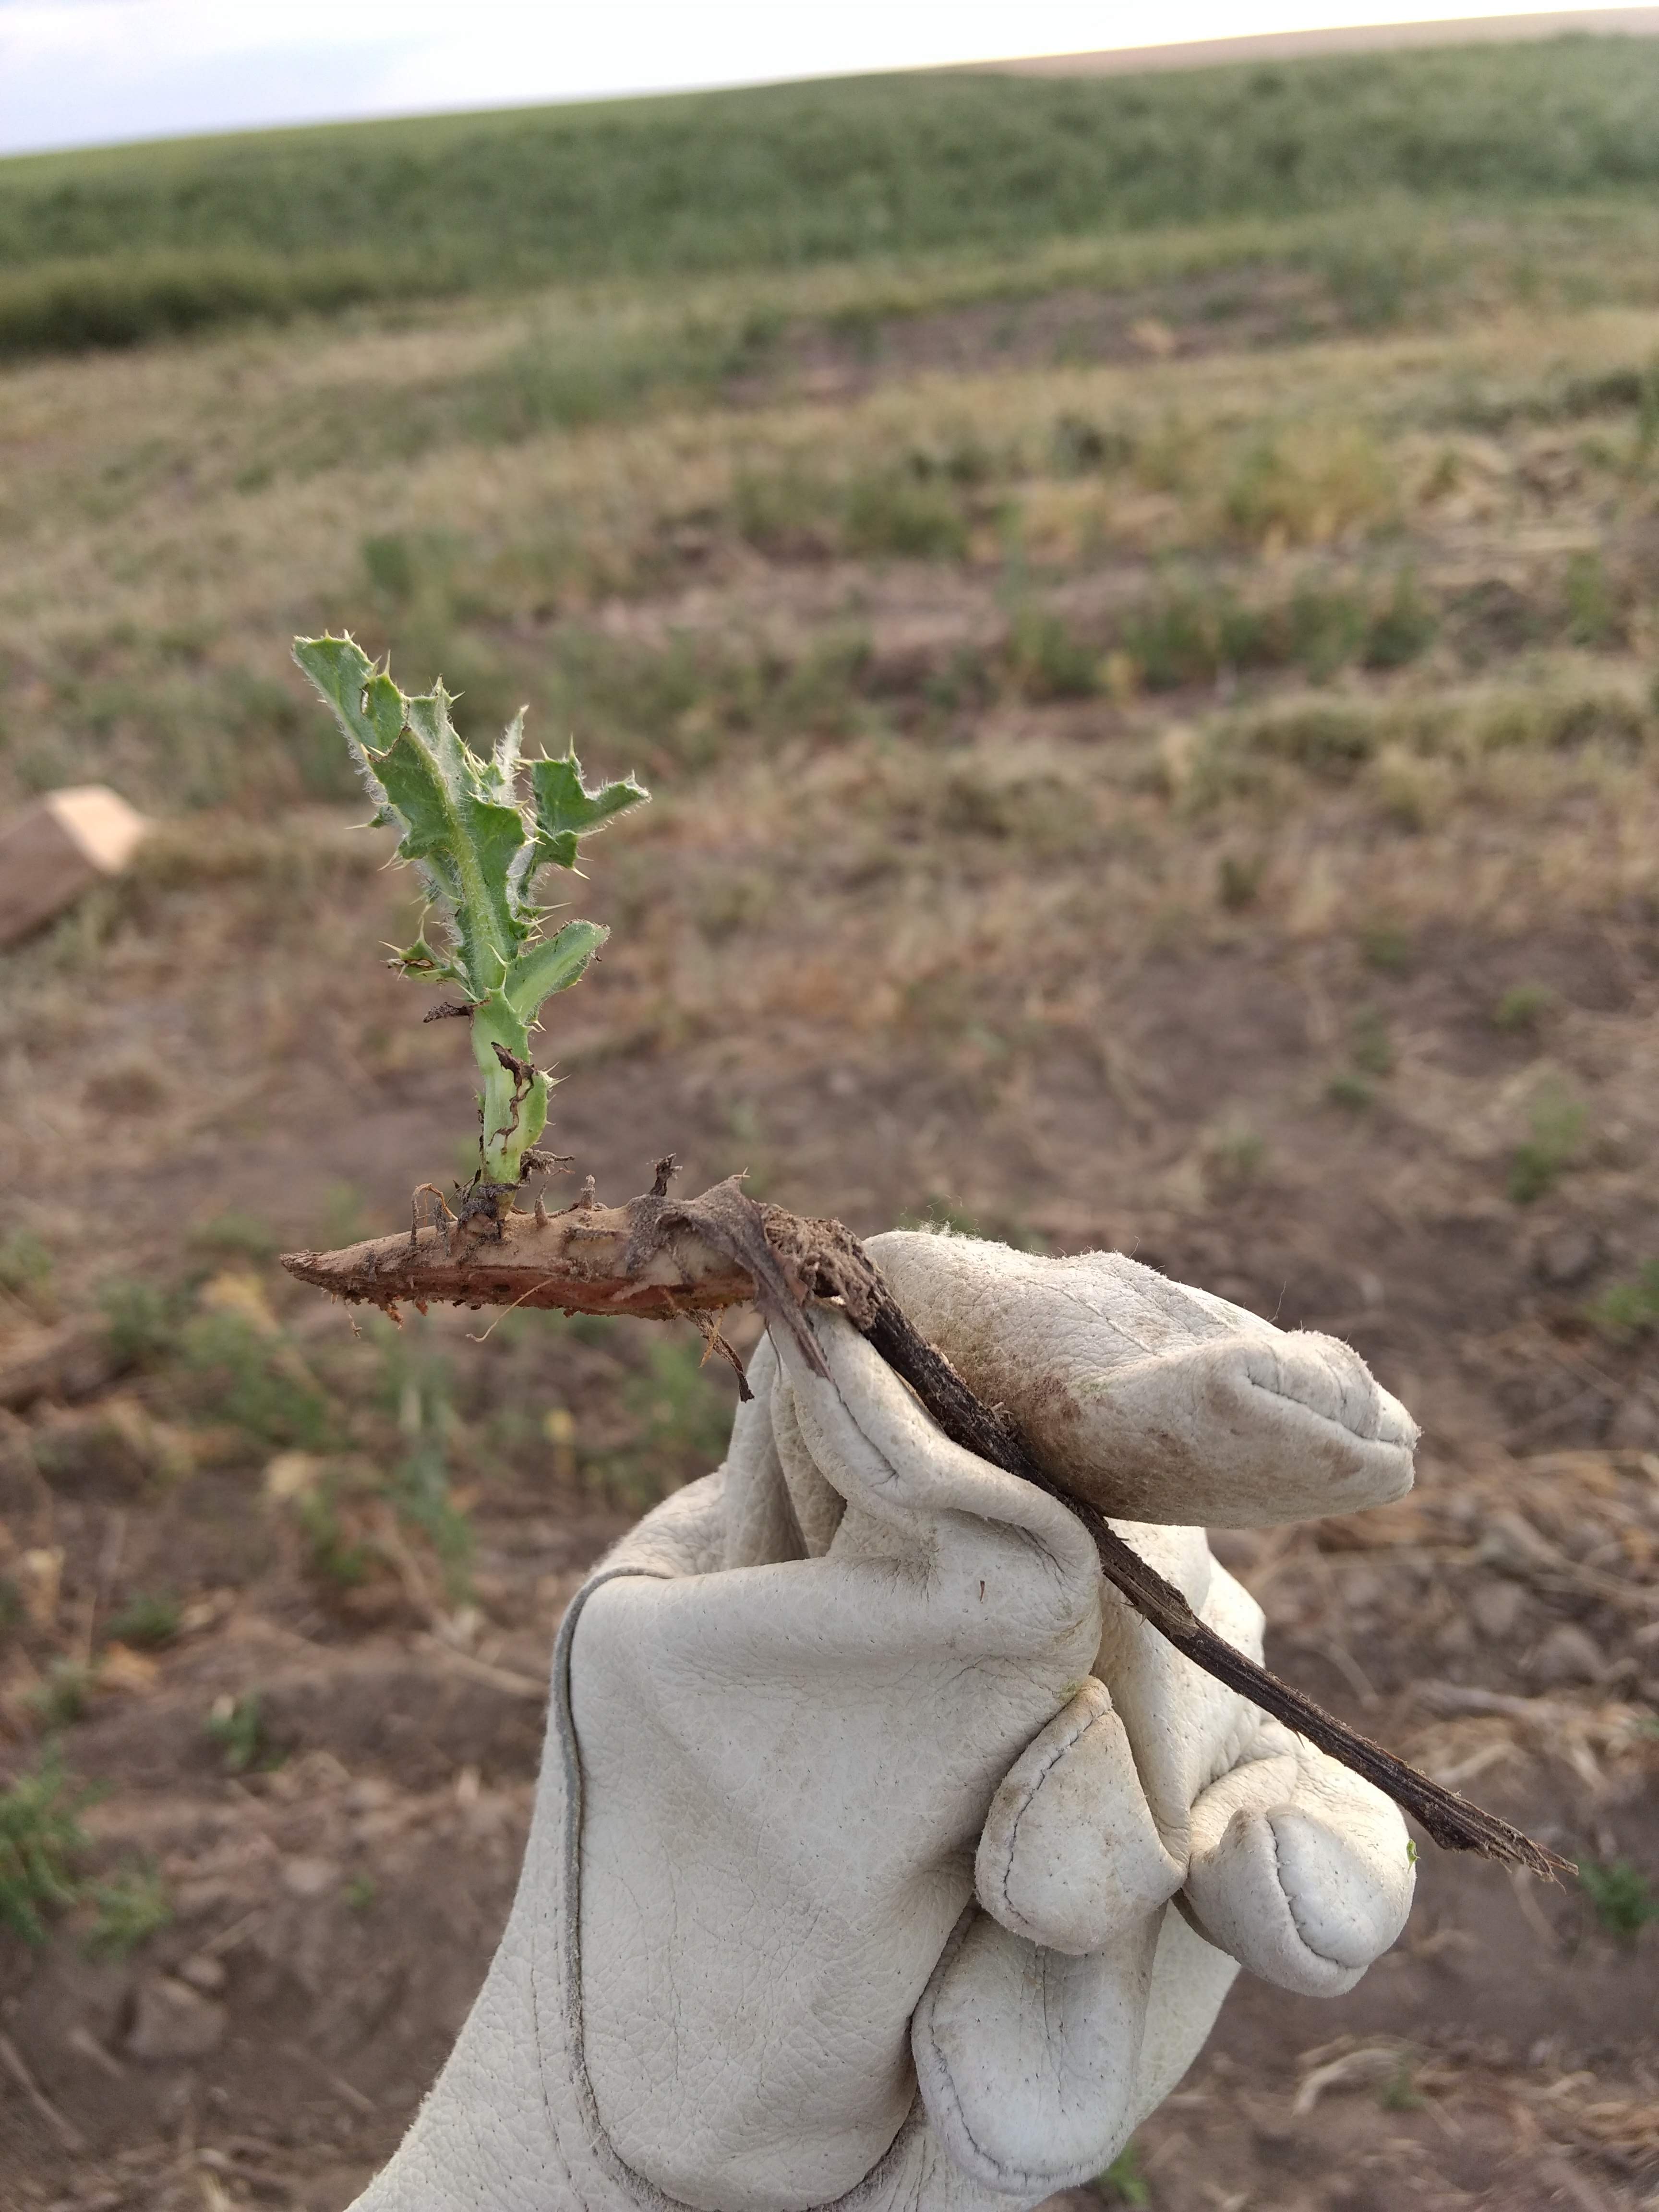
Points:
point(883, 1857)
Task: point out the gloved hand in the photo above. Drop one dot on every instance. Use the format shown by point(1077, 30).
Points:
point(882, 1856)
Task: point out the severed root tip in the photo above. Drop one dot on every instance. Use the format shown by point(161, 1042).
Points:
point(590, 1258)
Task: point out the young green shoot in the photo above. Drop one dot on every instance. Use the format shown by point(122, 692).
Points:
point(479, 827)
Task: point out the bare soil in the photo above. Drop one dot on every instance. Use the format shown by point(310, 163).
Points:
point(332, 1915)
point(1367, 1045)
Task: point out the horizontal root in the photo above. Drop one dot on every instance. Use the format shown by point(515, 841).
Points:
point(571, 1262)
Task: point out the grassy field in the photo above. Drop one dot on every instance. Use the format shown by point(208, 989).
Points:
point(1156, 745)
point(116, 246)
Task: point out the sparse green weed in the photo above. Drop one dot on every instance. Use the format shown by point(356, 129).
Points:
point(1309, 487)
point(899, 511)
point(26, 1271)
point(236, 1235)
point(1399, 2093)
point(1077, 447)
point(783, 511)
point(1630, 1309)
point(237, 1726)
point(1592, 612)
point(1402, 630)
point(336, 1552)
point(1621, 1895)
point(255, 1381)
point(1346, 1087)
point(1331, 738)
point(1387, 947)
point(1523, 1007)
point(145, 1620)
point(417, 1384)
point(1370, 1044)
point(681, 1415)
point(141, 1322)
point(1557, 1125)
point(1235, 1155)
point(1047, 661)
point(1188, 634)
point(1327, 631)
point(1123, 2183)
point(40, 1839)
point(130, 1906)
point(62, 1695)
point(1238, 880)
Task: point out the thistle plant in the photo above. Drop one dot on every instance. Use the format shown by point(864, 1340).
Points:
point(479, 827)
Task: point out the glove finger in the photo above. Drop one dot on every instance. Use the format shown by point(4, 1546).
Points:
point(1184, 1727)
point(1070, 1856)
point(873, 1441)
point(1027, 2060)
point(1158, 1402)
point(1300, 1869)
point(1190, 1979)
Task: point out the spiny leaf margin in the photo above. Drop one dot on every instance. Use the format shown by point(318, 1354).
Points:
point(477, 841)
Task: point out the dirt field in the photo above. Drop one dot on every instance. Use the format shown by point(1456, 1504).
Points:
point(1174, 772)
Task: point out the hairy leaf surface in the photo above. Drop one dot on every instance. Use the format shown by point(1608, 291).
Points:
point(478, 839)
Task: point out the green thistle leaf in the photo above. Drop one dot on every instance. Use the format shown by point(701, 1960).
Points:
point(477, 842)
point(553, 964)
point(566, 810)
point(465, 835)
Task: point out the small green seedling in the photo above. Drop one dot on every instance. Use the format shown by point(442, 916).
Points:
point(61, 1695)
point(40, 1839)
point(1621, 1895)
point(25, 1267)
point(238, 1728)
point(1523, 1007)
point(1400, 2094)
point(1557, 1125)
point(1629, 1309)
point(479, 829)
point(132, 1906)
point(1371, 1045)
point(1123, 2183)
point(145, 1620)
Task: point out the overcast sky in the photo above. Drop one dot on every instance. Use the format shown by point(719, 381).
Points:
point(82, 72)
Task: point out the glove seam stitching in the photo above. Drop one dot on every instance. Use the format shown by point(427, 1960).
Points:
point(1291, 1912)
point(945, 2088)
point(1330, 1420)
point(644, 2191)
point(1026, 1927)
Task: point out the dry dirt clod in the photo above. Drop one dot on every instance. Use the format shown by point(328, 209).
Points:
point(173, 2021)
point(1568, 1655)
point(74, 1361)
point(58, 848)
